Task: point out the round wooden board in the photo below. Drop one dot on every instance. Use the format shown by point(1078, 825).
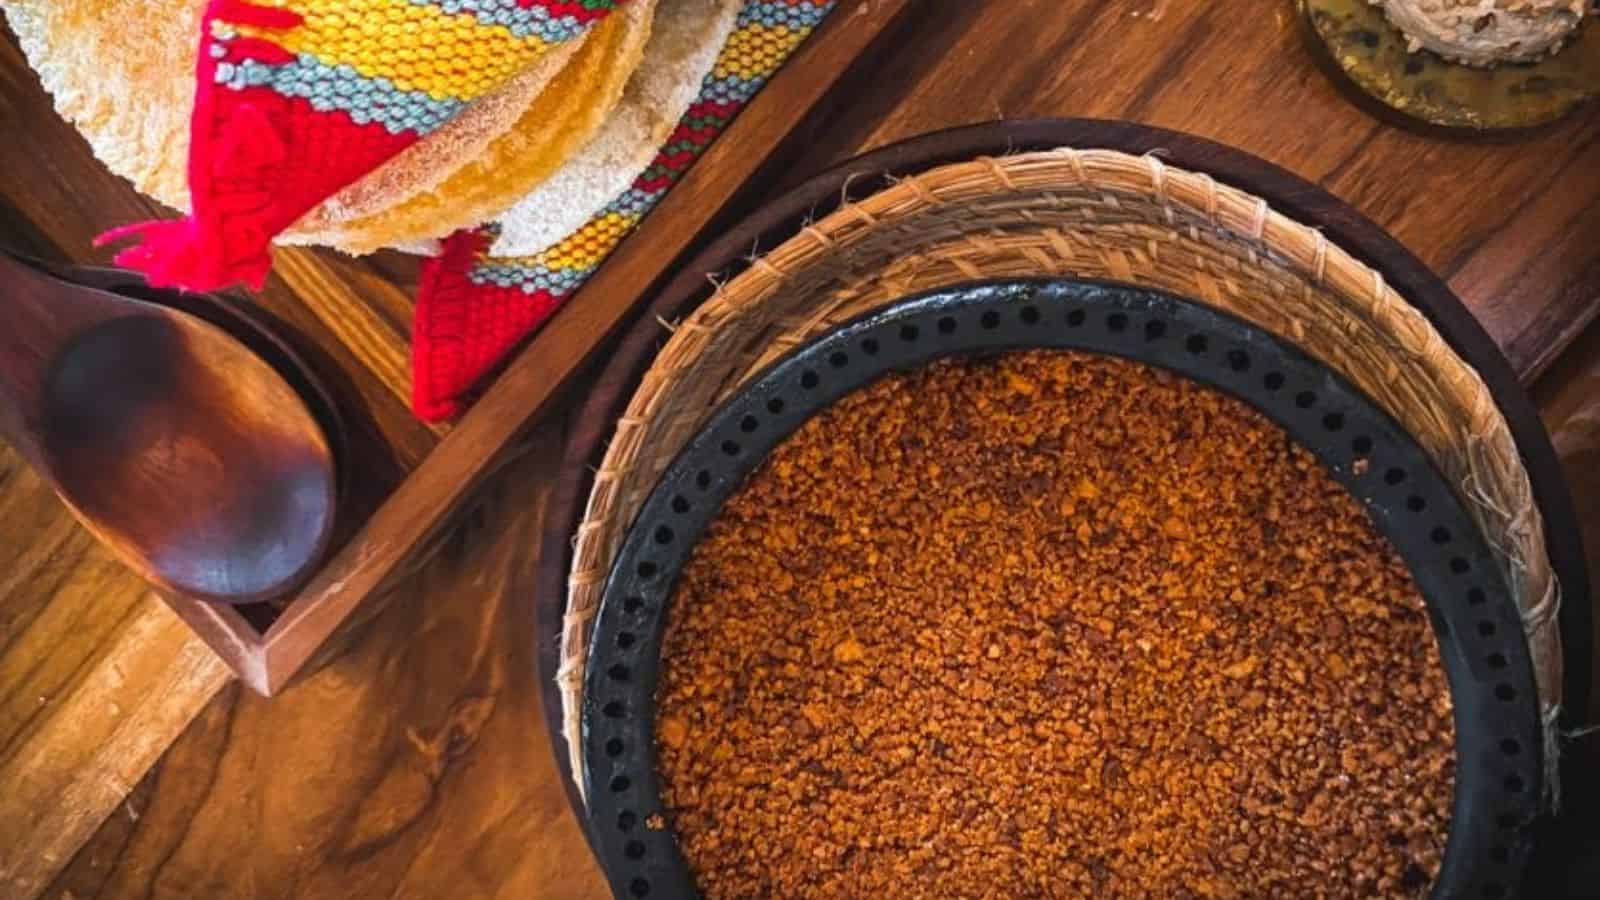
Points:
point(630, 355)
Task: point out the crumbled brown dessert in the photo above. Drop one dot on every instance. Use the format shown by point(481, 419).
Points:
point(1050, 625)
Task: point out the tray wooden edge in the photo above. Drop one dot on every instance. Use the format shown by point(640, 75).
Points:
point(1287, 192)
point(349, 587)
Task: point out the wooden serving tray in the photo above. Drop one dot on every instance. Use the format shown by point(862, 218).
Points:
point(351, 320)
point(1510, 227)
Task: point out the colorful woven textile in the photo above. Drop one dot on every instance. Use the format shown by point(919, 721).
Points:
point(474, 308)
point(299, 98)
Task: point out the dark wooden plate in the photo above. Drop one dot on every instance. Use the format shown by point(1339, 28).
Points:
point(630, 355)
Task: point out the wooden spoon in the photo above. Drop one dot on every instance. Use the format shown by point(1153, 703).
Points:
point(179, 448)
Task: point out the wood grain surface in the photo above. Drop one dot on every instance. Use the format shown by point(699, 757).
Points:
point(97, 677)
point(406, 768)
point(416, 764)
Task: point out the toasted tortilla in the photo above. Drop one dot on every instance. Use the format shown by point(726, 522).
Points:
point(466, 137)
point(418, 202)
point(683, 47)
point(129, 90)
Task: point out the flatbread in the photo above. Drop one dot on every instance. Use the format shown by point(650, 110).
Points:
point(683, 47)
point(564, 116)
point(130, 92)
point(122, 71)
point(422, 166)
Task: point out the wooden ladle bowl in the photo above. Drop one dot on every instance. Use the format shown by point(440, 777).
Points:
point(189, 456)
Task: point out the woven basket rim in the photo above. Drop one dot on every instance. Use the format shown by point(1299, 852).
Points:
point(1241, 213)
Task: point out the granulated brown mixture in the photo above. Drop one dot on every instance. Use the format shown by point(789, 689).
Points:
point(1050, 625)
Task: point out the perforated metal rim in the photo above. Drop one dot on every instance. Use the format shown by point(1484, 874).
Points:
point(1498, 773)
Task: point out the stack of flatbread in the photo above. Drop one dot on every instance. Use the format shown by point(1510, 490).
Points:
point(539, 156)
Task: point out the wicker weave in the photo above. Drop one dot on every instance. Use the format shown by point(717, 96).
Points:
point(1090, 213)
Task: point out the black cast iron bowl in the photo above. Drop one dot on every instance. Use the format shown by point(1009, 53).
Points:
point(1498, 750)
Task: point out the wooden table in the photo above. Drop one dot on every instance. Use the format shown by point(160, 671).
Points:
point(416, 764)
